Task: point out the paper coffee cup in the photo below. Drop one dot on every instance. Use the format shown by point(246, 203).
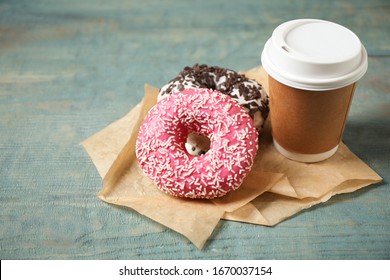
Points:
point(313, 67)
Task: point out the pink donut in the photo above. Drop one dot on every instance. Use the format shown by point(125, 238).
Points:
point(161, 152)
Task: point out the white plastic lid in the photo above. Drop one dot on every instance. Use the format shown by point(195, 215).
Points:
point(314, 54)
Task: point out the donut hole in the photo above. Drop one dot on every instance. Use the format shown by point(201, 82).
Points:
point(197, 144)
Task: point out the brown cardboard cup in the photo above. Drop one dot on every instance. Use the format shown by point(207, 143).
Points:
point(313, 67)
point(308, 125)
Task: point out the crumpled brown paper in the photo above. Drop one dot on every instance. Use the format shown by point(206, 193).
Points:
point(276, 188)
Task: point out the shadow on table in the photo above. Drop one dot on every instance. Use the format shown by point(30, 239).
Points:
point(370, 141)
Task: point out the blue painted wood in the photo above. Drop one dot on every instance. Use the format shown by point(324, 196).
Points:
point(69, 68)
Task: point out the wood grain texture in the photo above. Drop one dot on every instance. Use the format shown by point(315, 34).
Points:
point(69, 68)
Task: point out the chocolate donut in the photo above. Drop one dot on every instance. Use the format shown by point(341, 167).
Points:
point(247, 92)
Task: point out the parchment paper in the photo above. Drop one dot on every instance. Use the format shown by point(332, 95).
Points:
point(276, 188)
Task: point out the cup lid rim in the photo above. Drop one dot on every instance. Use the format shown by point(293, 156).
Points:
point(295, 68)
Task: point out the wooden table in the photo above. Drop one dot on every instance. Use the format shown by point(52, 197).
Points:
point(70, 68)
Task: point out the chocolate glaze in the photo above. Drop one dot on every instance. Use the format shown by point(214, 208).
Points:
point(247, 92)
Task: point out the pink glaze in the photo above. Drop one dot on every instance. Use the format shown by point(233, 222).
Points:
point(161, 152)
